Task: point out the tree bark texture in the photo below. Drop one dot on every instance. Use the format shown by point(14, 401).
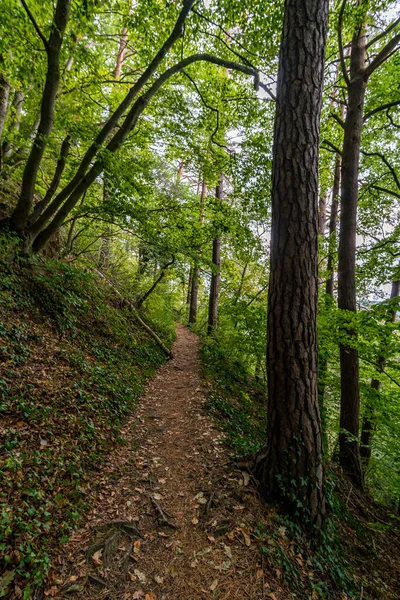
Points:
point(349, 453)
point(216, 272)
point(4, 95)
point(292, 470)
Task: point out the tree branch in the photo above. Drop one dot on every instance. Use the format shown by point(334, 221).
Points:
point(118, 139)
point(387, 51)
point(387, 163)
point(36, 26)
point(380, 108)
point(340, 43)
point(383, 33)
point(338, 119)
point(332, 146)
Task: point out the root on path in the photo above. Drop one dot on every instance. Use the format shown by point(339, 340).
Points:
point(171, 518)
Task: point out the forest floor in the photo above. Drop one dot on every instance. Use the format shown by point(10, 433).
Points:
point(174, 517)
point(171, 517)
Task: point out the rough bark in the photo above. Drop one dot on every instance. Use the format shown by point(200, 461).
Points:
point(349, 453)
point(21, 213)
point(194, 292)
point(369, 418)
point(292, 470)
point(216, 274)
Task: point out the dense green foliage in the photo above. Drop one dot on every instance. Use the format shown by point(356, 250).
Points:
point(142, 222)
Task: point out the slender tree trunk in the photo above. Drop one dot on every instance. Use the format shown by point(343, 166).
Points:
point(4, 95)
point(62, 160)
point(349, 452)
point(105, 245)
point(292, 470)
point(196, 270)
point(21, 213)
point(84, 177)
point(369, 419)
point(322, 214)
point(332, 226)
point(189, 288)
point(142, 299)
point(7, 147)
point(216, 274)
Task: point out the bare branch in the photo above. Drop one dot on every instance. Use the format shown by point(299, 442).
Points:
point(338, 119)
point(36, 26)
point(340, 43)
point(383, 33)
point(380, 108)
point(387, 51)
point(332, 147)
point(387, 163)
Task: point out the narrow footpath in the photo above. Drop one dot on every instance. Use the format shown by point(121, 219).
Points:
point(170, 518)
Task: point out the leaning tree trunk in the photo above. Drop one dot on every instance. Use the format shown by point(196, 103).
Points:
point(349, 452)
point(292, 470)
point(4, 94)
point(216, 274)
point(369, 419)
point(194, 292)
point(53, 48)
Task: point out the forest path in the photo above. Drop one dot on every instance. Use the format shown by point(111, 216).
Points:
point(172, 479)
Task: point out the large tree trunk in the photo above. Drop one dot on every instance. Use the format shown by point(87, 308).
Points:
point(194, 293)
point(21, 213)
point(292, 470)
point(369, 418)
point(349, 452)
point(216, 274)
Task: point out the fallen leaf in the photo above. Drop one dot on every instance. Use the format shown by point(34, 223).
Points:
point(157, 496)
point(246, 478)
point(260, 574)
point(150, 596)
point(96, 557)
point(141, 576)
point(137, 595)
point(136, 546)
point(195, 520)
point(6, 579)
point(158, 579)
point(214, 585)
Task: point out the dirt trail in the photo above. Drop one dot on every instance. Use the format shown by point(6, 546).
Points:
point(172, 480)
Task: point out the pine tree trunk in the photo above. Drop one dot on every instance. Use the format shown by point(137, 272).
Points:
point(369, 419)
point(349, 453)
point(216, 275)
point(292, 470)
